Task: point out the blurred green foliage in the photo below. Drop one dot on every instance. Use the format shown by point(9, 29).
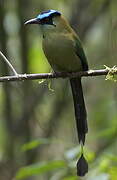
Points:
point(39, 168)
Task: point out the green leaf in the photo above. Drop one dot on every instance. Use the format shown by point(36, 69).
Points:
point(40, 168)
point(33, 144)
point(104, 164)
point(90, 155)
point(71, 178)
point(107, 132)
point(113, 173)
point(112, 157)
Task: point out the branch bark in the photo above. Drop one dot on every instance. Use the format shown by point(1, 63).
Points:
point(21, 77)
point(8, 63)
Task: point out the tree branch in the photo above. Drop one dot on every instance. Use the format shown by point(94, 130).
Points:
point(21, 77)
point(8, 63)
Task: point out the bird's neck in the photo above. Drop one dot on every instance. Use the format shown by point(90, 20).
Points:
point(60, 27)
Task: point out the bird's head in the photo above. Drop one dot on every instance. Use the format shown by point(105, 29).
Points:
point(50, 21)
point(45, 18)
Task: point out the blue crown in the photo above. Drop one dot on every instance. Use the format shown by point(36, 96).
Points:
point(49, 13)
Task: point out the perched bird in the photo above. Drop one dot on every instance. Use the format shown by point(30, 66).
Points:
point(64, 52)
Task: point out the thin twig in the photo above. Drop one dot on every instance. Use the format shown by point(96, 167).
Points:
point(9, 64)
point(21, 77)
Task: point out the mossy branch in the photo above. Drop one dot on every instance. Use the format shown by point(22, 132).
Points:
point(109, 72)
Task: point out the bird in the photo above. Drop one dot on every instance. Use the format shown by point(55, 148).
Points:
point(64, 52)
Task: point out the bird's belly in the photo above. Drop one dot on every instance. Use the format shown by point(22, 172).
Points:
point(62, 56)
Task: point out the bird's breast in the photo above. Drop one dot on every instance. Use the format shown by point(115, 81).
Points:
point(60, 52)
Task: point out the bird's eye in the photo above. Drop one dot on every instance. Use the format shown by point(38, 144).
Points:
point(47, 19)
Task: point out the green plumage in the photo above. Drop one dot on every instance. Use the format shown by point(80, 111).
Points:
point(64, 52)
point(80, 53)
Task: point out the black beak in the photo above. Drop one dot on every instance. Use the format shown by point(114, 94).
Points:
point(32, 21)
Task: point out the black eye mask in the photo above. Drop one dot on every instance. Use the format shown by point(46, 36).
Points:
point(46, 20)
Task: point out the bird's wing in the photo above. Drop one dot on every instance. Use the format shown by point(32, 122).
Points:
point(80, 53)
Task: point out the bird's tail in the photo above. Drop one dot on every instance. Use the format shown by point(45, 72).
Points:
point(80, 110)
point(81, 122)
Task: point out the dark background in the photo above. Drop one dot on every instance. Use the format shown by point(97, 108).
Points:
point(37, 125)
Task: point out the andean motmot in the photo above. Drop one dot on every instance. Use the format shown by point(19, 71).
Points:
point(64, 52)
